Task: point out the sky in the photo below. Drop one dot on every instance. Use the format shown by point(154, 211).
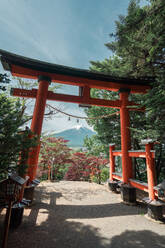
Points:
point(66, 32)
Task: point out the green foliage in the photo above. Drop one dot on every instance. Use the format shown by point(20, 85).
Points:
point(94, 146)
point(27, 103)
point(3, 81)
point(104, 175)
point(107, 128)
point(12, 140)
point(138, 45)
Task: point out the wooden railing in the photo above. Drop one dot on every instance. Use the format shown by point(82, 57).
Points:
point(149, 155)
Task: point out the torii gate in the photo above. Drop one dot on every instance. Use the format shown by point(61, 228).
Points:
point(46, 73)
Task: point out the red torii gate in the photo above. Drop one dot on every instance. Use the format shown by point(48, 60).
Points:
point(46, 73)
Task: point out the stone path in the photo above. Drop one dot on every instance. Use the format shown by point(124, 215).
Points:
point(84, 215)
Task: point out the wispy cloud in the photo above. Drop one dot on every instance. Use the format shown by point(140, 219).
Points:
point(64, 32)
point(28, 30)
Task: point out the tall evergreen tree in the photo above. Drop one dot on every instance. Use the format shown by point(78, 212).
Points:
point(14, 142)
point(138, 47)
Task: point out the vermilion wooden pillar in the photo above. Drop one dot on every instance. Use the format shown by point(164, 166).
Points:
point(36, 125)
point(150, 171)
point(125, 135)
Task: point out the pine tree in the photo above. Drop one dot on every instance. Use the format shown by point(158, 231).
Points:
point(138, 47)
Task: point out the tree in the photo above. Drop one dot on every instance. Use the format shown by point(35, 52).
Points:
point(138, 51)
point(85, 168)
point(93, 145)
point(58, 162)
point(4, 79)
point(15, 143)
point(27, 102)
point(54, 157)
point(12, 139)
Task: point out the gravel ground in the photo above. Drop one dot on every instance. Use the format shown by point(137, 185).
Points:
point(81, 215)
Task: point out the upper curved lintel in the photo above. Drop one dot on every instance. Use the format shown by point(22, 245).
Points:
point(14, 63)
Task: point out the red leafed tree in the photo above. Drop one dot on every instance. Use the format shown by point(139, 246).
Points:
point(85, 167)
point(54, 157)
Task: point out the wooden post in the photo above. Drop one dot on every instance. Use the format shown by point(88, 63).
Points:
point(125, 136)
point(7, 224)
point(36, 125)
point(150, 171)
point(112, 161)
point(49, 172)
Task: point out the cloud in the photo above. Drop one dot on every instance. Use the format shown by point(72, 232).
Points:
point(64, 32)
point(28, 30)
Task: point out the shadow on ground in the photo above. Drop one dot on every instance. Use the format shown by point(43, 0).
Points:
point(139, 239)
point(55, 231)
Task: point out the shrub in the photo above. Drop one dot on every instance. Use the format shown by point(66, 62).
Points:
point(85, 168)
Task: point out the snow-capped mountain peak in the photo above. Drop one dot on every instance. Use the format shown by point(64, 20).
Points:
point(75, 135)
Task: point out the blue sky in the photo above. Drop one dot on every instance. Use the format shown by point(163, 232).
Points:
point(67, 32)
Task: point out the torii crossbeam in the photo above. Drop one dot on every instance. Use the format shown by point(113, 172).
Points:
point(46, 73)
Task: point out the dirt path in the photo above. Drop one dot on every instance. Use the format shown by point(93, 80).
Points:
point(82, 215)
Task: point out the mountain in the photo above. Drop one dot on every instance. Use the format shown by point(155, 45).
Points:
point(75, 135)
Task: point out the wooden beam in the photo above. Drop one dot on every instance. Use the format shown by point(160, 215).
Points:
point(134, 154)
point(135, 183)
point(116, 176)
point(20, 71)
point(67, 98)
point(139, 185)
point(140, 154)
point(117, 153)
point(23, 93)
point(84, 99)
